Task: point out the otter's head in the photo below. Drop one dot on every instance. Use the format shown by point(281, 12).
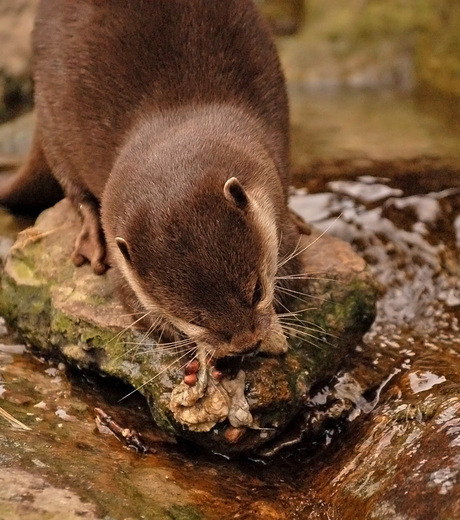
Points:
point(204, 258)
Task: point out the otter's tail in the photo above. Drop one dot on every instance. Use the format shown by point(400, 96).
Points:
point(33, 188)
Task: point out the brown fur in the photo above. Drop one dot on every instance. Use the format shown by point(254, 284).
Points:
point(145, 109)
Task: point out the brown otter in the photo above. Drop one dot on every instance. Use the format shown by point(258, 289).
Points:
point(166, 124)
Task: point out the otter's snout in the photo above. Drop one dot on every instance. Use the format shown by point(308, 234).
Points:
point(245, 343)
point(252, 348)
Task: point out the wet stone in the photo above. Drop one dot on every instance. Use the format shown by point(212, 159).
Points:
point(70, 312)
point(23, 495)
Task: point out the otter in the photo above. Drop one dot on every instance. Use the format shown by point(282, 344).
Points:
point(165, 123)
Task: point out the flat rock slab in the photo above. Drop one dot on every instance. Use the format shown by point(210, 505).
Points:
point(44, 500)
point(71, 313)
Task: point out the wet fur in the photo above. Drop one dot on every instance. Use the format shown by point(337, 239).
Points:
point(145, 109)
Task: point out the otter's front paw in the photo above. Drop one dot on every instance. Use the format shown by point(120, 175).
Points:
point(90, 244)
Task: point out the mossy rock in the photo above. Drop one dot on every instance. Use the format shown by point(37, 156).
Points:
point(70, 312)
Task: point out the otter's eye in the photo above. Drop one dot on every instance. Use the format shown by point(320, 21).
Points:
point(258, 293)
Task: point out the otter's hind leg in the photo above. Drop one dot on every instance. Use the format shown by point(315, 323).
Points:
point(33, 188)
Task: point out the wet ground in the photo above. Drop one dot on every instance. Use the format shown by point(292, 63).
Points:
point(397, 454)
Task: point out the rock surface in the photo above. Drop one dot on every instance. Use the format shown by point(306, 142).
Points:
point(39, 499)
point(61, 310)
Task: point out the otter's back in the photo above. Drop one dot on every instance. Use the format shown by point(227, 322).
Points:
point(98, 64)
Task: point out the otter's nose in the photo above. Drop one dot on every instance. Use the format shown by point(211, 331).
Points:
point(252, 348)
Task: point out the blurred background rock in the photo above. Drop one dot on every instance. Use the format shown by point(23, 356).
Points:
point(402, 44)
point(361, 74)
point(16, 22)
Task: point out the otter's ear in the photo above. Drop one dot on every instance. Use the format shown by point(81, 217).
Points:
point(123, 247)
point(234, 193)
